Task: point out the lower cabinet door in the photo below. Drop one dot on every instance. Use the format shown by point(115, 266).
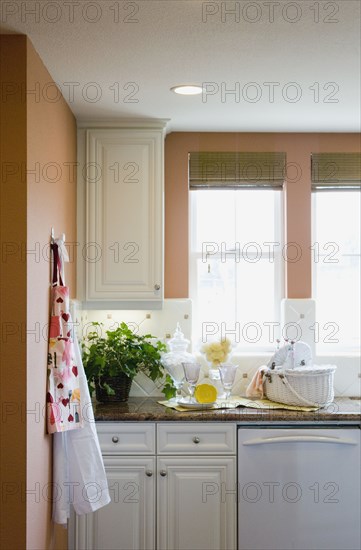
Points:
point(128, 522)
point(197, 503)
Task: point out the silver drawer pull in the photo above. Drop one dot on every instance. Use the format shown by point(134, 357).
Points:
point(115, 439)
point(149, 473)
point(163, 473)
point(156, 287)
point(196, 439)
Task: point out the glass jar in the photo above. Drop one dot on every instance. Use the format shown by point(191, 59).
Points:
point(172, 361)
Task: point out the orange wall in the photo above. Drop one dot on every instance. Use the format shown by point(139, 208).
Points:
point(298, 148)
point(13, 295)
point(47, 198)
point(51, 203)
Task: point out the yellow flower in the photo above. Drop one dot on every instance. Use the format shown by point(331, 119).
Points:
point(216, 346)
point(227, 345)
point(217, 352)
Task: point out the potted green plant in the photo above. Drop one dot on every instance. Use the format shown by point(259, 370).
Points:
point(112, 361)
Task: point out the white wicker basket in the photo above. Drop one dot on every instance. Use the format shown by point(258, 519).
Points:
point(304, 386)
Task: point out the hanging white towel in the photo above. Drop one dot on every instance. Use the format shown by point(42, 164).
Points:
point(78, 469)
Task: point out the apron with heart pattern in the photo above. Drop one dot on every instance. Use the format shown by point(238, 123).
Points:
point(63, 392)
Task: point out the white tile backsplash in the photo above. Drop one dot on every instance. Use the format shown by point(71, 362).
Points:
point(159, 323)
point(347, 381)
point(297, 318)
point(162, 323)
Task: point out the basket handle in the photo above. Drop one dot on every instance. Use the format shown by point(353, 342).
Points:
point(296, 394)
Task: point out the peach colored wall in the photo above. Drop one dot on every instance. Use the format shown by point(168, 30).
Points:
point(298, 148)
point(34, 132)
point(51, 202)
point(12, 294)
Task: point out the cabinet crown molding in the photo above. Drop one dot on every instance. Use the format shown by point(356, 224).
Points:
point(124, 123)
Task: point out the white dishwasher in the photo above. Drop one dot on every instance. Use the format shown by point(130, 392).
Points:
point(299, 488)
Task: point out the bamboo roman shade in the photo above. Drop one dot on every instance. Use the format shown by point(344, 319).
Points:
point(235, 170)
point(336, 171)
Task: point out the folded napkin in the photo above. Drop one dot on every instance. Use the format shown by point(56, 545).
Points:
point(235, 402)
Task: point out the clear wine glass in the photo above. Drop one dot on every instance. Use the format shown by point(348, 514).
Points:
point(228, 375)
point(191, 373)
point(176, 372)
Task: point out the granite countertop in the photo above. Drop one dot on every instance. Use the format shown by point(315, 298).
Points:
point(138, 409)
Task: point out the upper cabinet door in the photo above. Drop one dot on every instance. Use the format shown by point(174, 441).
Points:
point(124, 217)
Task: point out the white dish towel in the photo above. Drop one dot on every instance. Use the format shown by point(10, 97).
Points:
point(78, 470)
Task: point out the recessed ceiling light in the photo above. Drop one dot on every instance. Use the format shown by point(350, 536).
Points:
point(187, 89)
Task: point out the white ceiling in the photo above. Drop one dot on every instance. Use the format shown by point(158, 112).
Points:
point(156, 44)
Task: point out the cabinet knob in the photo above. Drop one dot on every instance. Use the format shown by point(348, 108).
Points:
point(156, 287)
point(115, 439)
point(163, 473)
point(196, 439)
point(149, 473)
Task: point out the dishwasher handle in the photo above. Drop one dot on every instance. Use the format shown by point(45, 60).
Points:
point(299, 439)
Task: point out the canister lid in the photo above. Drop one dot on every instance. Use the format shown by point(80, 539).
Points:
point(178, 342)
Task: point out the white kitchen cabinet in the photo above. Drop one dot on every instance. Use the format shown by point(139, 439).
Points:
point(122, 439)
point(196, 438)
point(196, 503)
point(196, 486)
point(182, 499)
point(120, 215)
point(128, 522)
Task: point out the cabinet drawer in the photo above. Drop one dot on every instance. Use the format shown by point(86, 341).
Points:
point(196, 438)
point(123, 439)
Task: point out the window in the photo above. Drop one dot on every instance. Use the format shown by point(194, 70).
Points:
point(336, 270)
point(236, 277)
point(336, 182)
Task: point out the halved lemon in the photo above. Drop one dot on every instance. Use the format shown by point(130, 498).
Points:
point(205, 393)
